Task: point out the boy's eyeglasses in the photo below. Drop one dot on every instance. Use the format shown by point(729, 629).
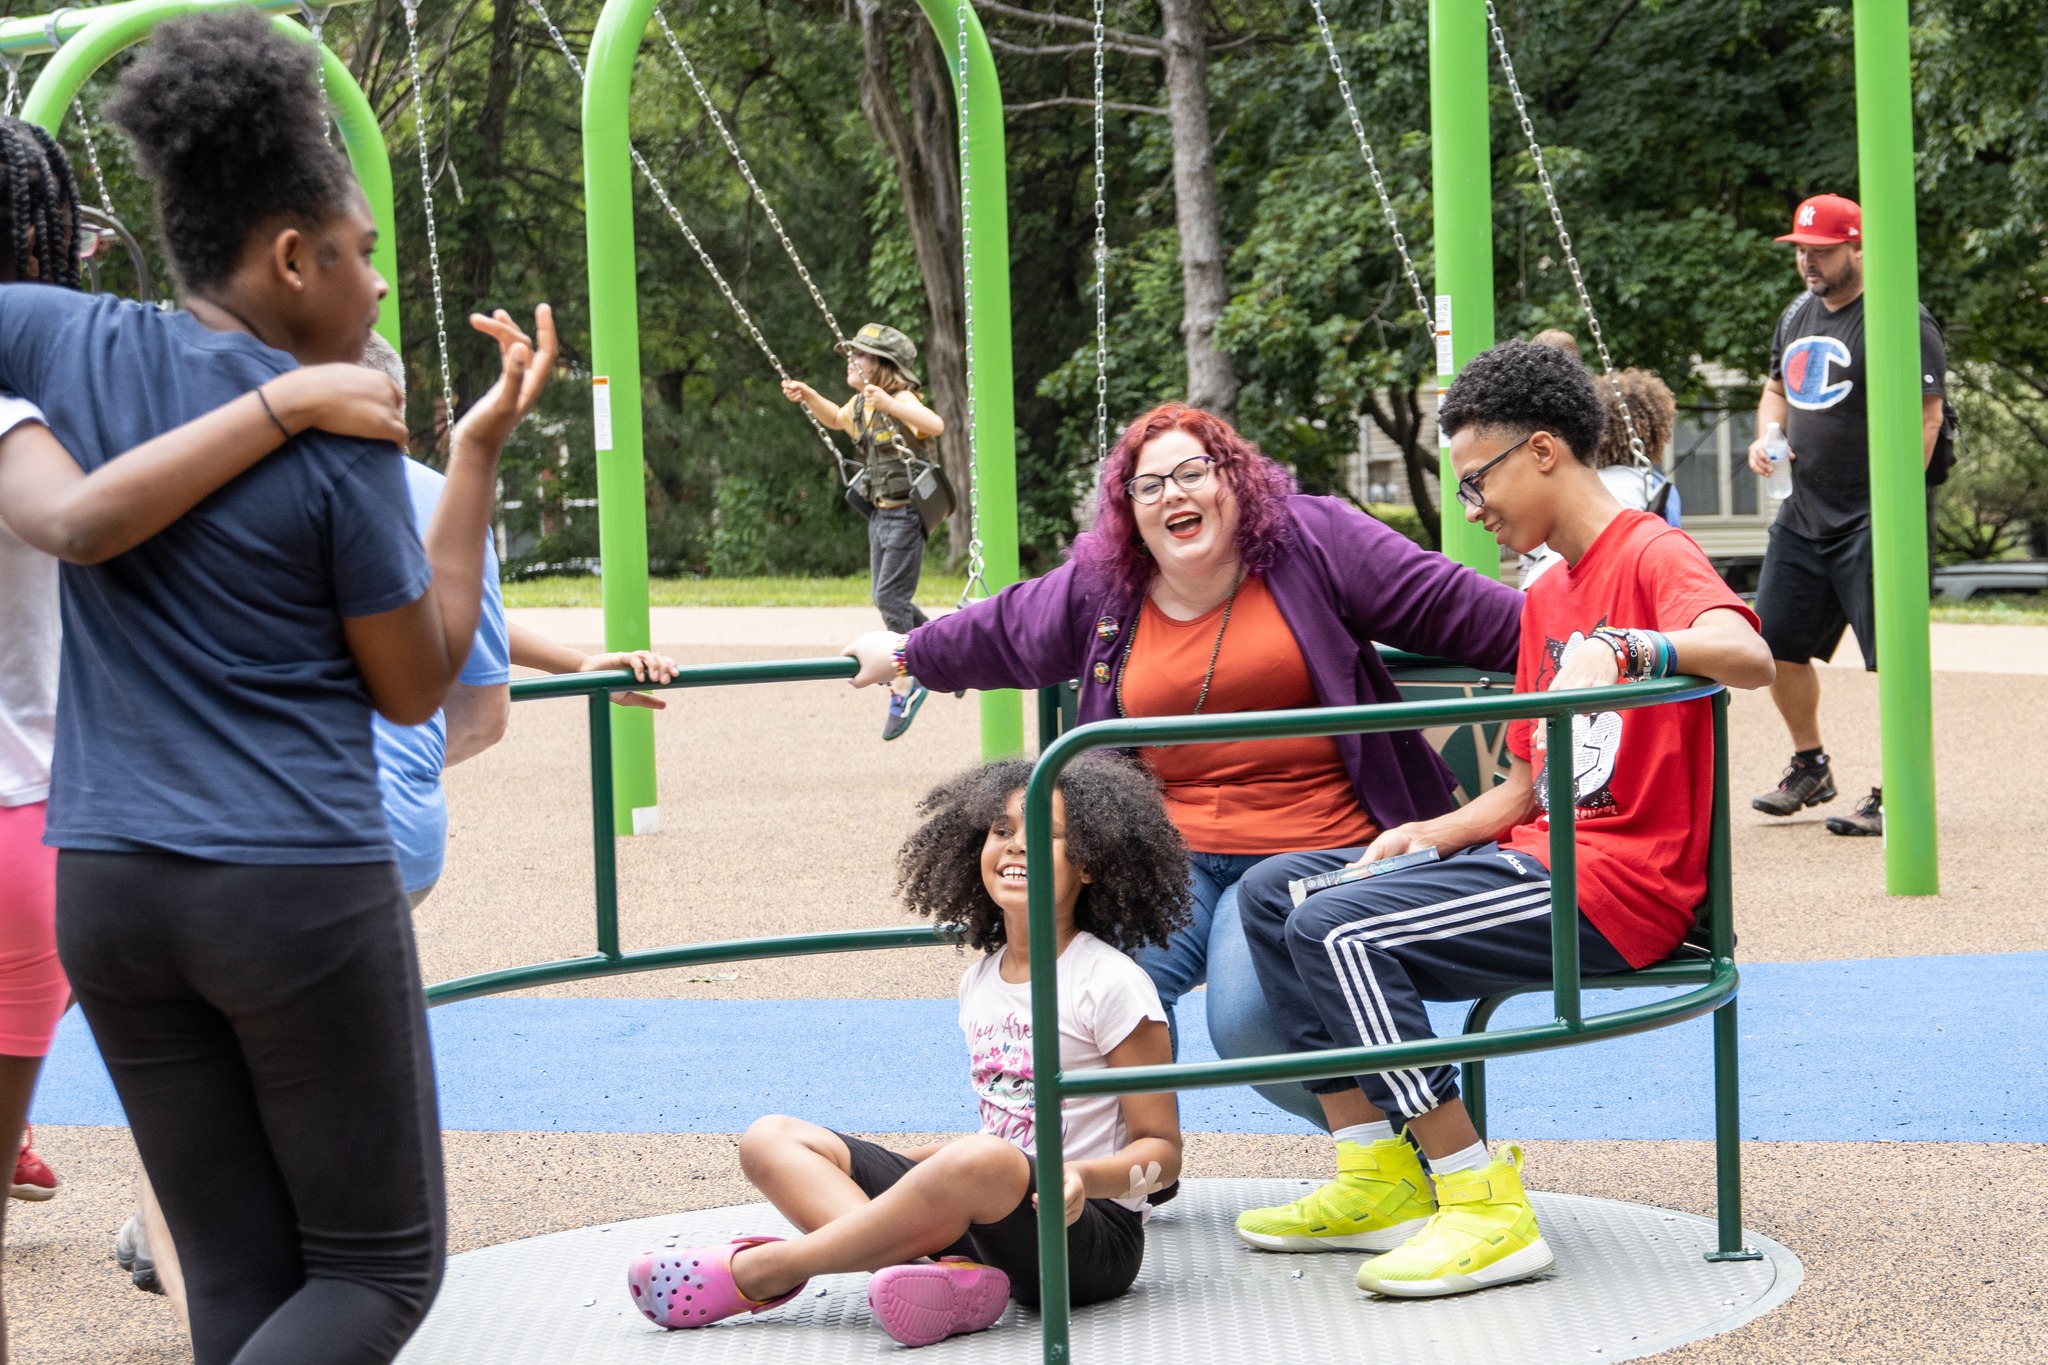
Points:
point(1469, 491)
point(1190, 474)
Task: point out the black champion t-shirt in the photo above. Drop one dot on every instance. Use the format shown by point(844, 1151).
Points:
point(1818, 356)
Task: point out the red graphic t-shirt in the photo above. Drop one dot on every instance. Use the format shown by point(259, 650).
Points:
point(1644, 777)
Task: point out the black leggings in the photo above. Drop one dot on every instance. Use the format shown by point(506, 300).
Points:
point(1105, 1247)
point(267, 1034)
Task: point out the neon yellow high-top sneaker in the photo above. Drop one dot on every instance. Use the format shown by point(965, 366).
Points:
point(1484, 1233)
point(1380, 1197)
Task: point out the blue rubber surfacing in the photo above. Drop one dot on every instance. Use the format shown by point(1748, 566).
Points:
point(1832, 1051)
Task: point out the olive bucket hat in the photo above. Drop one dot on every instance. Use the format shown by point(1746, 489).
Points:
point(888, 343)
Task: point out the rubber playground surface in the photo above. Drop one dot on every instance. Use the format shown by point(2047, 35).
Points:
point(1895, 1093)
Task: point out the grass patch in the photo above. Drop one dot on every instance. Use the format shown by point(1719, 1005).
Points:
point(943, 590)
point(1996, 609)
point(935, 590)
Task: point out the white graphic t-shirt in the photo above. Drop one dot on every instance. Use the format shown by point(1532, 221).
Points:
point(28, 663)
point(1104, 996)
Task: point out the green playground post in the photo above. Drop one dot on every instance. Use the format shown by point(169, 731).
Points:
point(1461, 171)
point(93, 37)
point(985, 194)
point(615, 368)
point(1898, 491)
point(615, 386)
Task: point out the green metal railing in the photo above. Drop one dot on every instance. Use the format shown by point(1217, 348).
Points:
point(1712, 979)
point(1715, 982)
point(610, 959)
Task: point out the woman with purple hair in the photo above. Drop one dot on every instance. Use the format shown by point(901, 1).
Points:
point(1209, 585)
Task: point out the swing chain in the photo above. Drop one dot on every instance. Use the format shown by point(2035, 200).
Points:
point(92, 151)
point(1101, 264)
point(975, 566)
point(710, 267)
point(316, 24)
point(419, 123)
point(1379, 185)
point(1564, 239)
point(760, 196)
point(12, 61)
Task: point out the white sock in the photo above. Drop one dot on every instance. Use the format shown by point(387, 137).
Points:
point(1467, 1159)
point(1365, 1133)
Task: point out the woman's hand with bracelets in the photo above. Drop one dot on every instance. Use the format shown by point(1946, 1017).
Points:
point(879, 654)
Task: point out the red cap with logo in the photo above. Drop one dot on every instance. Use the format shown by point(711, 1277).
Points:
point(1826, 220)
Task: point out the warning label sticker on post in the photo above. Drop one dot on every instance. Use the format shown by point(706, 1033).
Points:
point(1444, 362)
point(601, 411)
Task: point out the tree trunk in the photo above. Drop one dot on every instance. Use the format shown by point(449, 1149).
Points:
point(473, 269)
point(1401, 419)
point(1212, 379)
point(924, 143)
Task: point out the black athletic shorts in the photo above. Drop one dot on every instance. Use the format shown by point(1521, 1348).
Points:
point(1105, 1247)
point(1811, 589)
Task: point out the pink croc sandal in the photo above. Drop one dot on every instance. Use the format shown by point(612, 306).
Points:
point(928, 1302)
point(694, 1287)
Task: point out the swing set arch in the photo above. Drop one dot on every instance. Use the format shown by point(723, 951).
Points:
point(87, 39)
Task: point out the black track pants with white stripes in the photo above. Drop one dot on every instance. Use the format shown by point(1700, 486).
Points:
point(1351, 966)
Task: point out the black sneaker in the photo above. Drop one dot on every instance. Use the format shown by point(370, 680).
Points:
point(1804, 784)
point(1868, 819)
point(903, 709)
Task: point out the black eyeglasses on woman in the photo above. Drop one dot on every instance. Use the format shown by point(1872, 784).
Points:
point(1190, 474)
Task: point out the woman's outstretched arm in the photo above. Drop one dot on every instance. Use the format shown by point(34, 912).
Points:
point(89, 518)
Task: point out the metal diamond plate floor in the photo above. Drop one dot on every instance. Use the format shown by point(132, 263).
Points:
point(1630, 1281)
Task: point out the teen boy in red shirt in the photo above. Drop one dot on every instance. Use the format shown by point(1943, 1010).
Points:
point(1352, 965)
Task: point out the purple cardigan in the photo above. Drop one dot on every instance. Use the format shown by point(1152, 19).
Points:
point(1341, 581)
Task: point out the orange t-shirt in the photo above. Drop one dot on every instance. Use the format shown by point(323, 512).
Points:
point(1252, 796)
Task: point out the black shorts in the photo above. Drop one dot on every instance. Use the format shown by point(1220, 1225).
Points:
point(1105, 1247)
point(1811, 589)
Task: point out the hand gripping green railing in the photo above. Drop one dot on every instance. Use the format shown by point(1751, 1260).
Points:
point(1568, 1027)
point(1715, 980)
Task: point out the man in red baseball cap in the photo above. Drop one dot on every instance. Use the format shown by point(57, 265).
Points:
point(1817, 570)
point(1826, 220)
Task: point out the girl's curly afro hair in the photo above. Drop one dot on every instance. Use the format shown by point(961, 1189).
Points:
point(227, 118)
point(1117, 832)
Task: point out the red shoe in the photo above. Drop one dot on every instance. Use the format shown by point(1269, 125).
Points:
point(33, 1178)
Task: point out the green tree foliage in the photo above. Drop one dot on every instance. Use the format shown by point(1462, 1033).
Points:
point(1680, 134)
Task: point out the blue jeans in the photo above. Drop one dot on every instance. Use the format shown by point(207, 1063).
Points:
point(1212, 946)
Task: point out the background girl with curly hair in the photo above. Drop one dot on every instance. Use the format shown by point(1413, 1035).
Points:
point(1119, 882)
point(1208, 584)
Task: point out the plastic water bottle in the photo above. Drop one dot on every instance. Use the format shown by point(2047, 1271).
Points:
point(1778, 483)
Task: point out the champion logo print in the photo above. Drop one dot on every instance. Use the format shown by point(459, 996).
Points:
point(1810, 365)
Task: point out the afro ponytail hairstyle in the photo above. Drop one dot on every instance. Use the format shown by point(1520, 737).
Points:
point(1117, 832)
point(227, 118)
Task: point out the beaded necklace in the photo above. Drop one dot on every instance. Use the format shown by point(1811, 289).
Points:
point(1215, 652)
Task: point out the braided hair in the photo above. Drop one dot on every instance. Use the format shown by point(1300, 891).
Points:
point(39, 201)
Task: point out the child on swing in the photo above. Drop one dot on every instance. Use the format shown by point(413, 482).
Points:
point(892, 427)
point(950, 1229)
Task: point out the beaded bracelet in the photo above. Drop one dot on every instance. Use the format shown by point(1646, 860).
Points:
point(1617, 642)
point(902, 668)
point(1640, 654)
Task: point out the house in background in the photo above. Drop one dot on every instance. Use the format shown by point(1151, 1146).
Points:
point(1724, 504)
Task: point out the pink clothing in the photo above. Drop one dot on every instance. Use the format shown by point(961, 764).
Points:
point(33, 991)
